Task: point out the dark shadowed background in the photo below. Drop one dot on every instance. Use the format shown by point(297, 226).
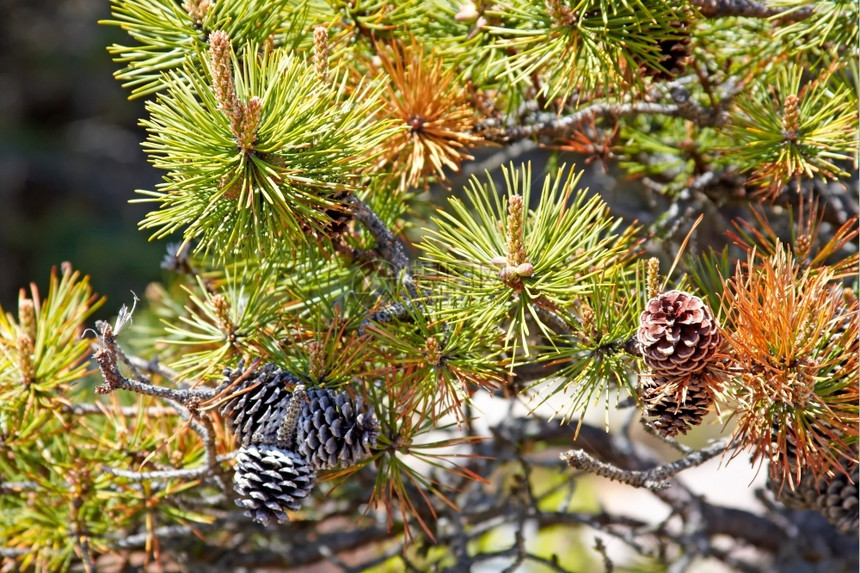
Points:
point(70, 156)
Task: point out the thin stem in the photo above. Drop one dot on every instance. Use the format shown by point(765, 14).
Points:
point(15, 486)
point(193, 473)
point(152, 367)
point(552, 320)
point(549, 123)
point(668, 440)
point(125, 411)
point(656, 478)
point(86, 554)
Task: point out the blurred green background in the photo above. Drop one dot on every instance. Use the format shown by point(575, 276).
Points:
point(70, 156)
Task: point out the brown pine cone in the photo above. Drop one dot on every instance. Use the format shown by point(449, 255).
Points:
point(838, 500)
point(675, 52)
point(673, 405)
point(835, 496)
point(677, 334)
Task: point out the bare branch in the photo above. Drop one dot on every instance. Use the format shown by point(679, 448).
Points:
point(194, 473)
point(655, 478)
point(88, 409)
point(106, 357)
point(389, 247)
point(751, 9)
point(550, 123)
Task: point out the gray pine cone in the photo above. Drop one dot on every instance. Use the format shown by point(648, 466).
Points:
point(838, 500)
point(334, 430)
point(270, 481)
point(834, 496)
point(258, 412)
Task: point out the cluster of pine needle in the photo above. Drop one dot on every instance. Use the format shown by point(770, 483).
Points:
point(307, 150)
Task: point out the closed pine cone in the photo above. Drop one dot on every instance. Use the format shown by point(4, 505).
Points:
point(675, 404)
point(838, 500)
point(260, 411)
point(334, 430)
point(675, 52)
point(835, 496)
point(677, 334)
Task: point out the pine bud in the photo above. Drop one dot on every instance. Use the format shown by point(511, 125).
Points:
point(250, 122)
point(560, 13)
point(25, 360)
point(321, 52)
point(27, 316)
point(791, 117)
point(197, 9)
point(516, 244)
point(222, 78)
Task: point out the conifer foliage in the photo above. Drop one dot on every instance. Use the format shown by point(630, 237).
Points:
point(352, 348)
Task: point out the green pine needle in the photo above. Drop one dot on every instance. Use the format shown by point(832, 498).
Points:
point(825, 134)
point(831, 22)
point(310, 146)
point(221, 327)
point(602, 47)
point(168, 38)
point(56, 354)
point(444, 362)
point(568, 238)
point(591, 363)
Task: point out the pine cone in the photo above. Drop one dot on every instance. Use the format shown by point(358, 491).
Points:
point(838, 500)
point(333, 430)
point(271, 481)
point(675, 52)
point(677, 334)
point(834, 496)
point(673, 405)
point(260, 411)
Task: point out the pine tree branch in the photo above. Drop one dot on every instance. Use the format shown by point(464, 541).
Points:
point(655, 478)
point(549, 124)
point(544, 124)
point(751, 9)
point(553, 320)
point(96, 409)
point(690, 109)
point(389, 247)
point(151, 367)
point(16, 486)
point(193, 473)
point(107, 355)
point(186, 402)
point(84, 551)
